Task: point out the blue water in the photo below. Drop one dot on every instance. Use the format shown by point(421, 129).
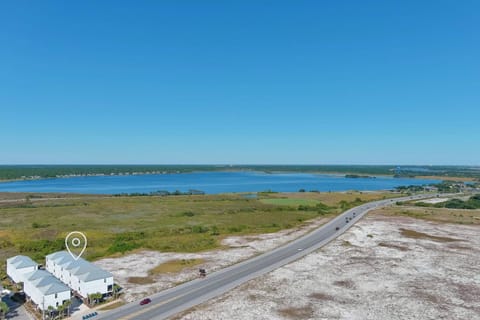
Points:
point(209, 182)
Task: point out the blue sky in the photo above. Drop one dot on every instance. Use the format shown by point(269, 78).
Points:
point(307, 82)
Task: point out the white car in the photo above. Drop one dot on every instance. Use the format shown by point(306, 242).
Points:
point(6, 292)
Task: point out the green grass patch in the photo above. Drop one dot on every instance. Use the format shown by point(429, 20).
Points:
point(174, 266)
point(290, 202)
point(112, 305)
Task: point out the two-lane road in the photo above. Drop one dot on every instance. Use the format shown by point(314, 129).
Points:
point(187, 295)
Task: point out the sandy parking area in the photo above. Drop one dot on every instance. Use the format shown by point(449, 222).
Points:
point(382, 268)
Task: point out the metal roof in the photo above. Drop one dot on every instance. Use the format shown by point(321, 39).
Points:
point(20, 262)
point(81, 268)
point(45, 282)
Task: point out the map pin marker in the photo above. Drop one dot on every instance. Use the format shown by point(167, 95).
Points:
point(76, 243)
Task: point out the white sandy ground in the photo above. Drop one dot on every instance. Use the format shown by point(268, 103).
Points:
point(440, 200)
point(434, 200)
point(370, 272)
point(238, 248)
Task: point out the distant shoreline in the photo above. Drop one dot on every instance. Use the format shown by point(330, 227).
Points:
point(339, 174)
point(349, 172)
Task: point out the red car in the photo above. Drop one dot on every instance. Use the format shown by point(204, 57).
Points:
point(145, 301)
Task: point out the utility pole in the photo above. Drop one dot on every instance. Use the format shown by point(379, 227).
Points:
point(43, 308)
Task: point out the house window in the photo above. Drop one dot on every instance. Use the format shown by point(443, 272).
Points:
point(104, 280)
point(56, 296)
point(57, 303)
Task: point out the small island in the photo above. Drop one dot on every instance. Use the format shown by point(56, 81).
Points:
point(357, 176)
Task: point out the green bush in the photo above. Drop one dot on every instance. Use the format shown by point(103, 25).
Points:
point(199, 229)
point(188, 214)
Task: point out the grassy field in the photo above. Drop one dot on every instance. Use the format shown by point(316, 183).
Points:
point(36, 225)
point(290, 202)
point(335, 198)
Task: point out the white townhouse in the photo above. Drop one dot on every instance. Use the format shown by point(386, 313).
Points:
point(19, 265)
point(82, 276)
point(42, 288)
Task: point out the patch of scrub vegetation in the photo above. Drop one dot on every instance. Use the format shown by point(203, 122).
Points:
point(141, 280)
point(304, 312)
point(346, 243)
point(420, 235)
point(174, 266)
point(349, 284)
point(321, 296)
point(393, 246)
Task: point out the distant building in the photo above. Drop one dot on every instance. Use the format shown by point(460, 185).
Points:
point(82, 276)
point(18, 266)
point(43, 289)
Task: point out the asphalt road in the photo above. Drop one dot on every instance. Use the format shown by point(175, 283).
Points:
point(172, 301)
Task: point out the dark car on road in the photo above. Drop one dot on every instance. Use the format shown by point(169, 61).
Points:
point(145, 301)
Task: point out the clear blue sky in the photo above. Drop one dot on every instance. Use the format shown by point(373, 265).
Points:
point(308, 82)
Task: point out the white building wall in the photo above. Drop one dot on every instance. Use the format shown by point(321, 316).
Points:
point(17, 275)
point(53, 301)
point(71, 280)
point(42, 302)
point(100, 285)
point(49, 266)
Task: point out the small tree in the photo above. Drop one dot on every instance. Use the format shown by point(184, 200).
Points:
point(94, 298)
point(61, 310)
point(67, 305)
point(116, 290)
point(3, 309)
point(50, 311)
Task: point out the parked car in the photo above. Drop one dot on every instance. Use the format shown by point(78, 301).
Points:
point(145, 301)
point(90, 315)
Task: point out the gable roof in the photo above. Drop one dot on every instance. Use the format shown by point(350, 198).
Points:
point(81, 268)
point(20, 262)
point(45, 282)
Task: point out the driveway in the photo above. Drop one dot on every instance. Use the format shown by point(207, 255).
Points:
point(17, 311)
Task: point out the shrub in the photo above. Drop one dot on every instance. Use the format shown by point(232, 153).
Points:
point(188, 214)
point(199, 229)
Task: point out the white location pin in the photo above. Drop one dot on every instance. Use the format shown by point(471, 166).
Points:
point(76, 243)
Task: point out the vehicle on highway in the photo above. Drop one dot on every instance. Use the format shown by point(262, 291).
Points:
point(337, 228)
point(145, 301)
